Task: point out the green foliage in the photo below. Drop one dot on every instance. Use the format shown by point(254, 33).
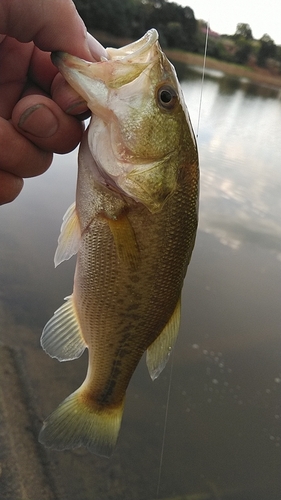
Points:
point(113, 16)
point(243, 30)
point(243, 41)
point(132, 18)
point(267, 50)
point(178, 28)
point(243, 50)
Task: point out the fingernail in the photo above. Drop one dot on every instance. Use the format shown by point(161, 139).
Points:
point(96, 48)
point(39, 121)
point(76, 108)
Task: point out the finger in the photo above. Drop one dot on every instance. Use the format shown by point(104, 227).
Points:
point(19, 156)
point(96, 48)
point(43, 122)
point(45, 78)
point(52, 25)
point(14, 62)
point(41, 70)
point(66, 97)
point(10, 187)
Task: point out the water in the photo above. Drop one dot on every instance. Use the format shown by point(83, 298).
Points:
point(223, 429)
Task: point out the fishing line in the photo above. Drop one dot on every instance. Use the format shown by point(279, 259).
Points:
point(172, 354)
point(165, 424)
point(203, 76)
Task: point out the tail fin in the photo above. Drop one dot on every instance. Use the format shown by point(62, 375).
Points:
point(76, 423)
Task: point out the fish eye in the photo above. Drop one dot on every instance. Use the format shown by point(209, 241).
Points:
point(167, 97)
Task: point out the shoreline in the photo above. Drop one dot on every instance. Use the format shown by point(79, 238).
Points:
point(257, 75)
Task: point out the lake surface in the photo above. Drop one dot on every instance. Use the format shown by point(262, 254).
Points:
point(223, 420)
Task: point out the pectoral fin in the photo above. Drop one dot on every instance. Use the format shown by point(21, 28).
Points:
point(69, 238)
point(159, 351)
point(125, 240)
point(62, 337)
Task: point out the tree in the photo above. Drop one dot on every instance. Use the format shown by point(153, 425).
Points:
point(243, 30)
point(267, 50)
point(113, 16)
point(244, 49)
point(243, 40)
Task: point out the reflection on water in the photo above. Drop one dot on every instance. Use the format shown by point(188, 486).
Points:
point(223, 429)
point(240, 159)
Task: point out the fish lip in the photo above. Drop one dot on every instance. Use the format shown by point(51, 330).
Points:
point(93, 81)
point(63, 60)
point(135, 49)
point(138, 51)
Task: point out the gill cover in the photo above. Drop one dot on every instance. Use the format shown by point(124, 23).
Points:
point(138, 118)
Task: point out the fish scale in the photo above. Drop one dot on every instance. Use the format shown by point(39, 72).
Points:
point(133, 227)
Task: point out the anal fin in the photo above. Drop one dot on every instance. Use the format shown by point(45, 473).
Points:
point(62, 337)
point(158, 352)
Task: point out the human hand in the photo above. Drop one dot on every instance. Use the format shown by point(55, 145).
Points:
point(36, 104)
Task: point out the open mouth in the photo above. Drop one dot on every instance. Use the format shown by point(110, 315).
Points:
point(136, 51)
point(92, 81)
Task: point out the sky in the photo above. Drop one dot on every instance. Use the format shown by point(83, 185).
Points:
point(224, 15)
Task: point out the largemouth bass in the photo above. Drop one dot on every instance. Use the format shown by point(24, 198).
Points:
point(133, 226)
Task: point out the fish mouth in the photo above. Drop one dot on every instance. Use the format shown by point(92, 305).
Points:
point(105, 86)
point(92, 81)
point(138, 49)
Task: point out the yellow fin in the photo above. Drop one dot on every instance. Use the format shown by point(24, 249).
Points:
point(159, 351)
point(69, 238)
point(76, 423)
point(62, 337)
point(125, 240)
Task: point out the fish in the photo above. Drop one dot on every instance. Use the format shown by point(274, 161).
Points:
point(133, 228)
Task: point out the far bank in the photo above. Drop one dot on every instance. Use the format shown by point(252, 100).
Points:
point(255, 74)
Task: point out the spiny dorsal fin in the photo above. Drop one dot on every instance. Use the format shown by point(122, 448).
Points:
point(159, 351)
point(62, 337)
point(69, 238)
point(125, 240)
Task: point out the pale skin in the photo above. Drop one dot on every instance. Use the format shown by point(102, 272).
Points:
point(37, 107)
